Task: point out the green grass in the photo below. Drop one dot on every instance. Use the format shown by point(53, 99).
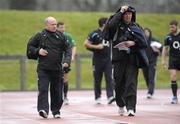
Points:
point(9, 75)
point(16, 27)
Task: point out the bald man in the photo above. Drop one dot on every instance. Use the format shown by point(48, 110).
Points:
point(49, 47)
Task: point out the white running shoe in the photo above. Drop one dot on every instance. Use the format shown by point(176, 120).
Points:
point(98, 101)
point(149, 96)
point(121, 111)
point(66, 101)
point(174, 100)
point(56, 116)
point(131, 113)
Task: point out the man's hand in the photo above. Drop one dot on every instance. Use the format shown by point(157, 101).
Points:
point(65, 65)
point(124, 45)
point(43, 52)
point(155, 49)
point(163, 57)
point(129, 43)
point(66, 68)
point(123, 9)
point(100, 46)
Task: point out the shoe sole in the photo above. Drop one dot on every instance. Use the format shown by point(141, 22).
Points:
point(131, 115)
point(66, 103)
point(149, 97)
point(174, 102)
point(57, 117)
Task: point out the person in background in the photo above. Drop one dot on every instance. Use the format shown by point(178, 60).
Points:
point(101, 61)
point(172, 42)
point(61, 28)
point(149, 72)
point(49, 47)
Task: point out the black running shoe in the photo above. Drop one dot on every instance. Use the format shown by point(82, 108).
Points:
point(111, 100)
point(43, 114)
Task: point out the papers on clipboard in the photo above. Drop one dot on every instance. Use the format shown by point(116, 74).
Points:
point(156, 44)
point(121, 46)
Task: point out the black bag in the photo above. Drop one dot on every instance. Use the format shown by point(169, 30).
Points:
point(41, 37)
point(31, 55)
point(29, 52)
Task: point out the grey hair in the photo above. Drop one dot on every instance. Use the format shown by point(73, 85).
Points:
point(47, 19)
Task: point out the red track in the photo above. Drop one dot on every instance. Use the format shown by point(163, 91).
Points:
point(20, 108)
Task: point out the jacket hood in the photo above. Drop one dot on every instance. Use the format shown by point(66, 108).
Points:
point(130, 9)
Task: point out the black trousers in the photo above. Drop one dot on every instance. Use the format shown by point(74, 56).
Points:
point(99, 68)
point(125, 77)
point(149, 76)
point(55, 80)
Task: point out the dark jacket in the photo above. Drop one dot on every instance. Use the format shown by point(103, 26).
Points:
point(96, 37)
point(57, 47)
point(117, 31)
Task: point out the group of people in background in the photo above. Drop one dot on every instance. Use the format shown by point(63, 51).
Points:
point(120, 47)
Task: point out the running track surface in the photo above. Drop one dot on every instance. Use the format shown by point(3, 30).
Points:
point(20, 108)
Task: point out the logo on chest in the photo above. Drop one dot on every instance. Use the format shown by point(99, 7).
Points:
point(105, 43)
point(176, 45)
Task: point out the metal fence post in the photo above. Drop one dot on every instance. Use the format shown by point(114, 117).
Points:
point(22, 73)
point(78, 72)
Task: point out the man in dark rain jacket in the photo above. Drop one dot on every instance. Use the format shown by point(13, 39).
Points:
point(49, 47)
point(128, 54)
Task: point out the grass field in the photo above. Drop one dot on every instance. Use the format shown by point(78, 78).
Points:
point(18, 26)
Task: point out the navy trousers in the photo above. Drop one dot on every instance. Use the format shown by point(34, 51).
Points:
point(53, 79)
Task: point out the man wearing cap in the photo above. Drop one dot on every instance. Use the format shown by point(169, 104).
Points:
point(128, 48)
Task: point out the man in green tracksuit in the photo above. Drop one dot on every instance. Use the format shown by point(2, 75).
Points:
point(71, 41)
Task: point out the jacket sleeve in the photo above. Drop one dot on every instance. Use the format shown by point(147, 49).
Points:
point(67, 52)
point(114, 20)
point(111, 26)
point(33, 45)
point(140, 41)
